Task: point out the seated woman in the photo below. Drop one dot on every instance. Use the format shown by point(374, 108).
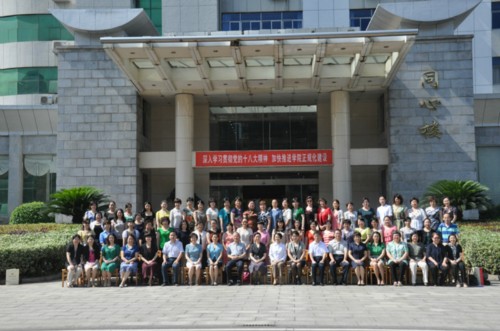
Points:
point(456, 257)
point(129, 256)
point(277, 256)
point(110, 258)
point(358, 255)
point(193, 259)
point(74, 253)
point(397, 253)
point(214, 252)
point(91, 256)
point(376, 253)
point(437, 259)
point(297, 254)
point(258, 255)
point(416, 252)
point(148, 255)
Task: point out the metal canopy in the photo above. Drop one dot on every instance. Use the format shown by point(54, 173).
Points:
point(261, 64)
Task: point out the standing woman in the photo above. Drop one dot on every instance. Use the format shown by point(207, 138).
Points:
point(276, 214)
point(237, 213)
point(433, 213)
point(138, 224)
point(164, 232)
point(97, 225)
point(213, 212)
point(417, 216)
point(90, 214)
point(129, 256)
point(110, 213)
point(358, 255)
point(225, 215)
point(227, 239)
point(387, 230)
point(91, 256)
point(351, 215)
point(384, 209)
point(264, 235)
point(324, 214)
point(398, 211)
point(297, 227)
point(147, 215)
point(449, 209)
point(213, 229)
point(298, 214)
point(328, 234)
point(287, 214)
point(258, 255)
point(177, 216)
point(309, 213)
point(337, 215)
point(128, 214)
point(110, 259)
point(183, 234)
point(366, 212)
point(456, 258)
point(427, 233)
point(310, 233)
point(397, 253)
point(74, 254)
point(200, 216)
point(376, 253)
point(246, 234)
point(251, 215)
point(188, 214)
point(280, 228)
point(118, 224)
point(163, 212)
point(85, 232)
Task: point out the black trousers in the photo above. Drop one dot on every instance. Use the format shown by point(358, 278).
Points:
point(339, 262)
point(315, 266)
point(434, 270)
point(398, 276)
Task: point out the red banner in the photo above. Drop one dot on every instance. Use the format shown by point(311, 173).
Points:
point(282, 158)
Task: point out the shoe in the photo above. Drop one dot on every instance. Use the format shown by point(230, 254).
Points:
point(414, 284)
point(458, 285)
point(313, 284)
point(321, 284)
point(465, 285)
point(230, 283)
point(426, 284)
point(334, 284)
point(175, 284)
point(238, 283)
point(163, 284)
point(121, 286)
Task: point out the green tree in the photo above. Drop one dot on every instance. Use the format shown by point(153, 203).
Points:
point(75, 201)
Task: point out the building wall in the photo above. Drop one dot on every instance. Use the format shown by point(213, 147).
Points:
point(325, 13)
point(189, 16)
point(97, 138)
point(415, 161)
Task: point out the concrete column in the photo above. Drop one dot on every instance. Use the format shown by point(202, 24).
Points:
point(184, 172)
point(15, 171)
point(341, 141)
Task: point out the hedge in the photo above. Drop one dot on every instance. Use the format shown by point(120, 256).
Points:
point(36, 250)
point(29, 213)
point(481, 243)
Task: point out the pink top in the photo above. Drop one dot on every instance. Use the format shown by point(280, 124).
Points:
point(387, 233)
point(264, 237)
point(328, 236)
point(91, 256)
point(323, 215)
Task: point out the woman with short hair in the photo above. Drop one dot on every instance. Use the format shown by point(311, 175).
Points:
point(129, 256)
point(193, 258)
point(110, 258)
point(397, 253)
point(74, 254)
point(416, 253)
point(258, 255)
point(296, 251)
point(358, 255)
point(456, 257)
point(277, 256)
point(215, 252)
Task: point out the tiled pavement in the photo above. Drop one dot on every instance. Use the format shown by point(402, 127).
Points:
point(47, 306)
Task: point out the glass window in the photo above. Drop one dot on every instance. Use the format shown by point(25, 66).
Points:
point(153, 9)
point(4, 192)
point(263, 128)
point(32, 80)
point(257, 21)
point(38, 188)
point(488, 175)
point(496, 70)
point(40, 27)
point(495, 15)
point(361, 17)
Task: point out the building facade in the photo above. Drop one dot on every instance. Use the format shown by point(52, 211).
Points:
point(154, 99)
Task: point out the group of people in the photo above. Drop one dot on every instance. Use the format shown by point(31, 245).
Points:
point(160, 243)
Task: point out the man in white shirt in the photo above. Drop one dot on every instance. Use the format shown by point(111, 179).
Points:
point(337, 249)
point(172, 254)
point(318, 253)
point(277, 256)
point(383, 210)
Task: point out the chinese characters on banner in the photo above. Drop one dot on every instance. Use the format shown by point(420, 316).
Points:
point(283, 158)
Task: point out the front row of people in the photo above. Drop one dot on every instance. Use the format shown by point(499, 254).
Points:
point(397, 255)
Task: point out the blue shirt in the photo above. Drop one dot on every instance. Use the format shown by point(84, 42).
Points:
point(104, 235)
point(357, 251)
point(129, 252)
point(236, 249)
point(226, 217)
point(214, 251)
point(276, 214)
point(193, 251)
point(446, 231)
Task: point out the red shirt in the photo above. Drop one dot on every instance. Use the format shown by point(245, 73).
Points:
point(323, 215)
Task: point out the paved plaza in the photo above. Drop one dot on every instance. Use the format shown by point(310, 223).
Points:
point(47, 306)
